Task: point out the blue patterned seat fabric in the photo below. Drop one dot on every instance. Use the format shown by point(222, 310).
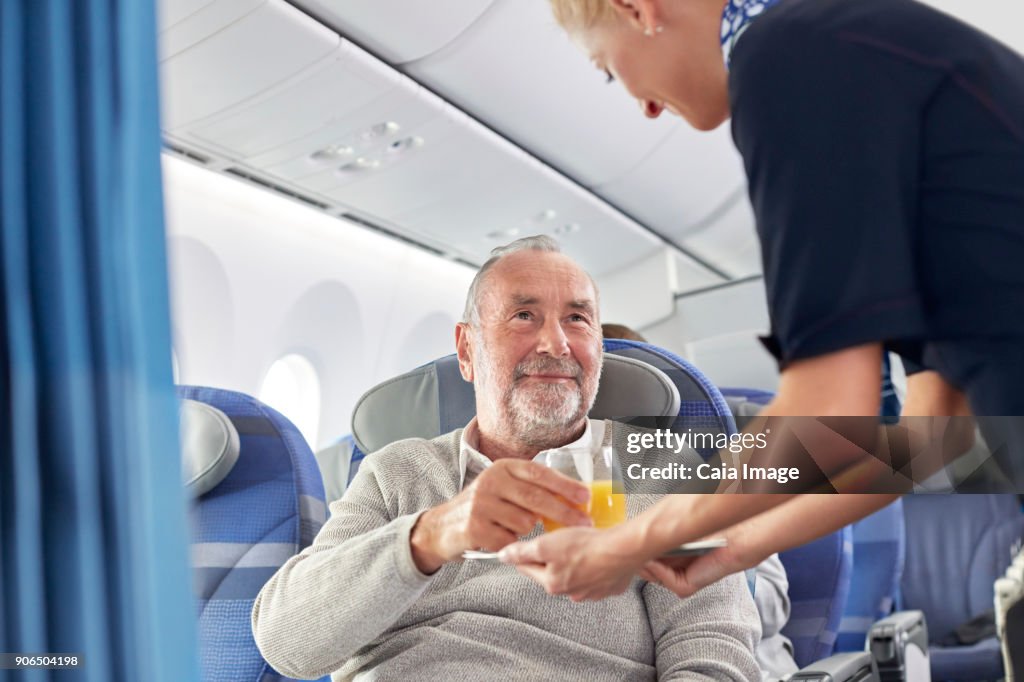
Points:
point(269, 507)
point(819, 585)
point(879, 545)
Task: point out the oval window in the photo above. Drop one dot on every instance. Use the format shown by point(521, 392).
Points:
point(292, 388)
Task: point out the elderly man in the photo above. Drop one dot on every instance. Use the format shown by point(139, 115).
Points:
point(383, 591)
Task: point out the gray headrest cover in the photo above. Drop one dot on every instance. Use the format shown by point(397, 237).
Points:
point(408, 406)
point(209, 446)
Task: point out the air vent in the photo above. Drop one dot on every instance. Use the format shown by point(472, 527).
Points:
point(463, 261)
point(188, 154)
point(237, 172)
point(390, 233)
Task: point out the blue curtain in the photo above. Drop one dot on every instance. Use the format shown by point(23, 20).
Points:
point(94, 556)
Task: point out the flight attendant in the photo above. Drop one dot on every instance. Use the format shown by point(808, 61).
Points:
point(883, 143)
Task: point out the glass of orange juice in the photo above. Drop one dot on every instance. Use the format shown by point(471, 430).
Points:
point(607, 501)
point(607, 505)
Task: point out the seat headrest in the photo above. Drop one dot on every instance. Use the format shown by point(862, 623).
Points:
point(209, 446)
point(409, 405)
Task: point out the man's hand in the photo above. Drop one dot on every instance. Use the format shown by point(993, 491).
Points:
point(505, 501)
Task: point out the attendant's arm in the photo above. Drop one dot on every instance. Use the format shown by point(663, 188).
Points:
point(355, 580)
point(845, 383)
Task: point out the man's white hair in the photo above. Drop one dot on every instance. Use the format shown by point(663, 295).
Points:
point(537, 242)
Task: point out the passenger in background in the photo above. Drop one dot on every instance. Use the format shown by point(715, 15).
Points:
point(610, 330)
point(771, 586)
point(384, 590)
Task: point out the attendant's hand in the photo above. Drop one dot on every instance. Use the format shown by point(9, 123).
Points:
point(686, 575)
point(505, 501)
point(584, 563)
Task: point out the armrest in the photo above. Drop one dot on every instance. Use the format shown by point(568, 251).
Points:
point(856, 666)
point(1009, 602)
point(899, 645)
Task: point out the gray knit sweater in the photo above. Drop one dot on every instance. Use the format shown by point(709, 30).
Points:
point(355, 605)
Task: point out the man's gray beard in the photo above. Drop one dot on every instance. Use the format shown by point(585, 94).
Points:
point(543, 416)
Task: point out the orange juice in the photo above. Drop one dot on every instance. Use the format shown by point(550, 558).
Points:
point(550, 524)
point(606, 508)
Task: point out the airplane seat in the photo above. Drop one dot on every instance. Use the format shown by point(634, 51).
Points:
point(258, 501)
point(338, 463)
point(701, 403)
point(638, 380)
point(879, 547)
point(957, 547)
point(819, 586)
point(746, 402)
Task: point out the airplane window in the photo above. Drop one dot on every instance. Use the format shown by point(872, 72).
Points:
point(292, 388)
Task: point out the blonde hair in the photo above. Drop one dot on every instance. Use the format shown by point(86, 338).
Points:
point(577, 14)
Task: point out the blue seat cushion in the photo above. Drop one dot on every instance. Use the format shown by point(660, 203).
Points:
point(975, 663)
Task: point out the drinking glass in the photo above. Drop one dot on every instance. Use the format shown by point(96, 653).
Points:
point(600, 471)
point(607, 501)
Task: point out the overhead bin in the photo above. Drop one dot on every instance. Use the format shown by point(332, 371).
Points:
point(183, 23)
point(683, 183)
point(524, 197)
point(398, 30)
point(171, 13)
point(238, 59)
point(515, 70)
point(730, 240)
point(321, 119)
point(332, 99)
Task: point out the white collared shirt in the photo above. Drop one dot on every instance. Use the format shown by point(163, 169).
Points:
point(472, 462)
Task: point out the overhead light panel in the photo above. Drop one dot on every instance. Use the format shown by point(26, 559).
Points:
point(333, 152)
point(380, 130)
point(405, 144)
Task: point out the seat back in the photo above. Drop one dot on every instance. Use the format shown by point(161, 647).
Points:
point(957, 546)
point(746, 402)
point(819, 584)
point(338, 463)
point(701, 404)
point(267, 508)
point(879, 546)
point(638, 380)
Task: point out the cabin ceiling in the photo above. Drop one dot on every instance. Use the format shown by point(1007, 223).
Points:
point(458, 124)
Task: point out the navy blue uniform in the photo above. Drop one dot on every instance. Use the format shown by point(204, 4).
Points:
point(884, 146)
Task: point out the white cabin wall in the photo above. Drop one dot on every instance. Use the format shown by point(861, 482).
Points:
point(255, 276)
point(718, 332)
